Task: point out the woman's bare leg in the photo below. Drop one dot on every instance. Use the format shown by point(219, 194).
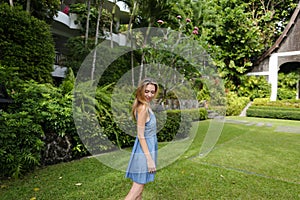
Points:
point(135, 192)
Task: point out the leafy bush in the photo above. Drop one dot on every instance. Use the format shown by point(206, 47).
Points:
point(20, 143)
point(44, 10)
point(273, 108)
point(177, 126)
point(283, 109)
point(285, 93)
point(26, 45)
point(235, 104)
point(287, 84)
point(197, 114)
point(291, 103)
point(277, 113)
point(254, 87)
point(39, 120)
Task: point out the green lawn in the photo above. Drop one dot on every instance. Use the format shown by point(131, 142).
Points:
point(250, 161)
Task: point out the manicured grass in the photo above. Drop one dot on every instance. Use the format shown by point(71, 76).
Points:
point(248, 162)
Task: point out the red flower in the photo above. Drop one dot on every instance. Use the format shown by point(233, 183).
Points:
point(196, 28)
point(188, 20)
point(195, 32)
point(178, 16)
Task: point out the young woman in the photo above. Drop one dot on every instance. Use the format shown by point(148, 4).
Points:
point(142, 165)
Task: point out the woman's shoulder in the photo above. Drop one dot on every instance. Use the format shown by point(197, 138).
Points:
point(142, 108)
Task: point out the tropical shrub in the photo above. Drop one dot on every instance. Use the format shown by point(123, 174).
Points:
point(38, 125)
point(26, 45)
point(287, 85)
point(288, 103)
point(235, 104)
point(43, 10)
point(254, 87)
point(20, 143)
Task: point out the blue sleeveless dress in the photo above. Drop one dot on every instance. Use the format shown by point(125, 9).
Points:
point(137, 168)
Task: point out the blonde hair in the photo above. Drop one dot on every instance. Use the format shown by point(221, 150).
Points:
point(140, 94)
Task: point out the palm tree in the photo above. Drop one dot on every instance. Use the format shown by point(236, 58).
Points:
point(111, 23)
point(100, 8)
point(133, 7)
point(150, 12)
point(28, 6)
point(87, 22)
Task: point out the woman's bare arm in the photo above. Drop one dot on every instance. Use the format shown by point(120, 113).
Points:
point(143, 115)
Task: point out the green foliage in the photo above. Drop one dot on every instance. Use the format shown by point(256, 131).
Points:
point(81, 10)
point(38, 112)
point(261, 101)
point(150, 11)
point(285, 93)
point(177, 126)
point(253, 87)
point(9, 77)
point(275, 108)
point(197, 114)
point(281, 109)
point(236, 32)
point(287, 85)
point(20, 143)
point(270, 18)
point(46, 103)
point(203, 93)
point(103, 135)
point(26, 45)
point(77, 52)
point(43, 10)
point(115, 70)
point(234, 39)
point(67, 85)
point(274, 112)
point(235, 104)
point(290, 103)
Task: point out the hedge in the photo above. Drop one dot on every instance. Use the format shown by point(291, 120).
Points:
point(274, 113)
point(274, 108)
point(292, 103)
point(283, 109)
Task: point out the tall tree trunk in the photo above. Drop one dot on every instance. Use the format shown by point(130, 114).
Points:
point(111, 24)
point(144, 52)
point(87, 22)
point(132, 62)
point(28, 6)
point(132, 16)
point(129, 33)
point(96, 38)
point(11, 3)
